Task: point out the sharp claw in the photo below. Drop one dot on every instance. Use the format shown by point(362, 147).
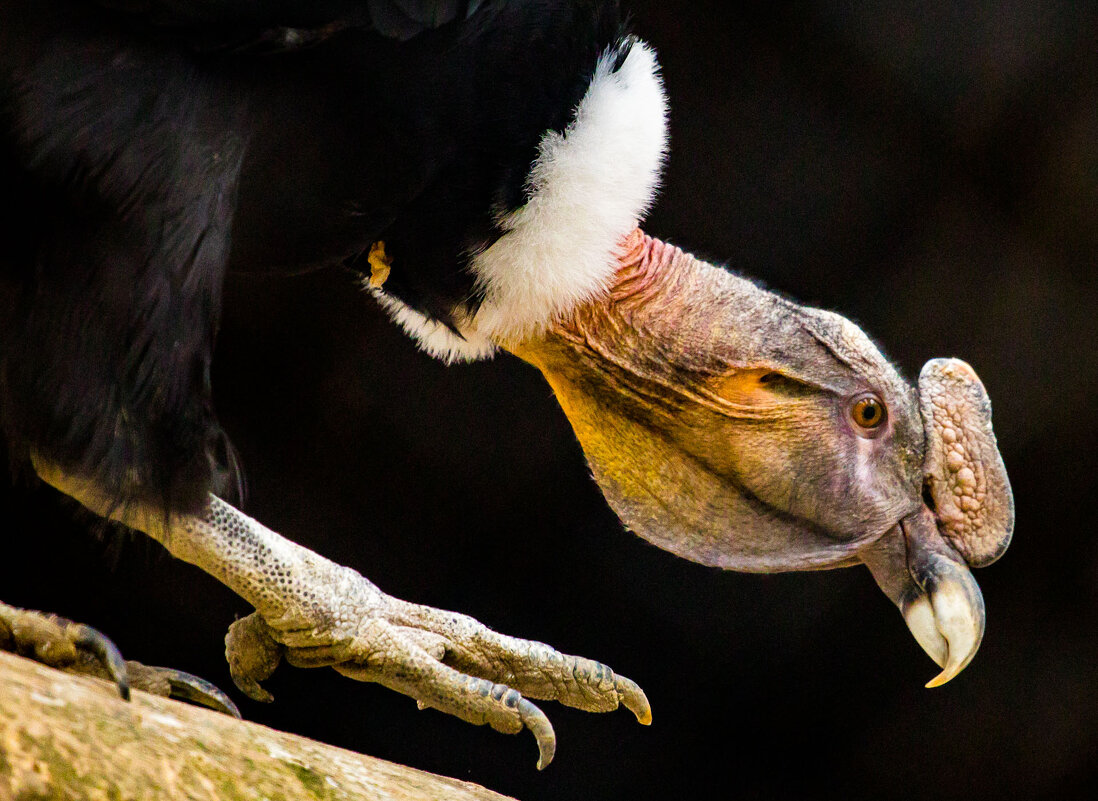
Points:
point(187, 687)
point(106, 652)
point(634, 699)
point(529, 715)
point(534, 719)
point(251, 688)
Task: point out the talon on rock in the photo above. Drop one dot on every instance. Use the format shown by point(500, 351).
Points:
point(62, 644)
point(84, 650)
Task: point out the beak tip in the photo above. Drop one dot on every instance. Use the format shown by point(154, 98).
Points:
point(940, 679)
point(948, 622)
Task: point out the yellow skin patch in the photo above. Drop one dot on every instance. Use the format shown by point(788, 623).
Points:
point(612, 445)
point(380, 264)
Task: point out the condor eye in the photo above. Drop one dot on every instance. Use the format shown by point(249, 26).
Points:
point(868, 412)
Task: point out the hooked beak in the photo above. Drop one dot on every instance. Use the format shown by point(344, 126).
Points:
point(931, 584)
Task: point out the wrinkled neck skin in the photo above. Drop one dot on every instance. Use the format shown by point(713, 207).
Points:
point(640, 339)
point(659, 378)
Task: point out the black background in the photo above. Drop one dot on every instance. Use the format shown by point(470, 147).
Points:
point(929, 169)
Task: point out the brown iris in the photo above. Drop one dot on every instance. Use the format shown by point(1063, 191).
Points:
point(868, 412)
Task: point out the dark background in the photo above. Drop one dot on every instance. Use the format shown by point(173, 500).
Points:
point(929, 169)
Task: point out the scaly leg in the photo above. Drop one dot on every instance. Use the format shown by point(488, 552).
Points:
point(318, 613)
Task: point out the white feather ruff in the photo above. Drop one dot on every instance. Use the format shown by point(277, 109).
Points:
point(589, 187)
point(435, 338)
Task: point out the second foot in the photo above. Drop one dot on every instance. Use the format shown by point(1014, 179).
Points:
point(77, 648)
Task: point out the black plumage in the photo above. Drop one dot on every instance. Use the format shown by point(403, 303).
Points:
point(146, 148)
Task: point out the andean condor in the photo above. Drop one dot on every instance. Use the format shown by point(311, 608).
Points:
point(483, 166)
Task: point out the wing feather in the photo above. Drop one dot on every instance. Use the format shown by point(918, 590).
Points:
point(289, 24)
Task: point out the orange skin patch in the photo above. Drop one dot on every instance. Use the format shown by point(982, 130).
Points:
point(380, 265)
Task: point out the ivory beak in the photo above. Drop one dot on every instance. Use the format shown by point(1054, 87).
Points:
point(931, 584)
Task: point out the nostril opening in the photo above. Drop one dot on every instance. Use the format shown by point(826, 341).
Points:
point(928, 498)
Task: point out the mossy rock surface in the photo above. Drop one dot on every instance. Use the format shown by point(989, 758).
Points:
point(72, 738)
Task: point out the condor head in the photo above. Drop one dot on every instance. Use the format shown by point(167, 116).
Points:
point(735, 428)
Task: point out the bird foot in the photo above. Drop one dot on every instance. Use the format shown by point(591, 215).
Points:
point(314, 612)
point(77, 648)
point(444, 660)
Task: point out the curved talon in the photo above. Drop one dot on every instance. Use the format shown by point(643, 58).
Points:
point(191, 688)
point(633, 698)
point(100, 645)
point(251, 688)
point(529, 715)
point(599, 679)
point(538, 724)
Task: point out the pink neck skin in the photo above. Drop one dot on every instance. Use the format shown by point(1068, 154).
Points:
point(644, 263)
point(648, 284)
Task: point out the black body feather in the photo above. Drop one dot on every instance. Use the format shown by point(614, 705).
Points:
point(148, 147)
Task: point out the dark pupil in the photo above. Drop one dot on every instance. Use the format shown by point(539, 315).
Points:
point(869, 411)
